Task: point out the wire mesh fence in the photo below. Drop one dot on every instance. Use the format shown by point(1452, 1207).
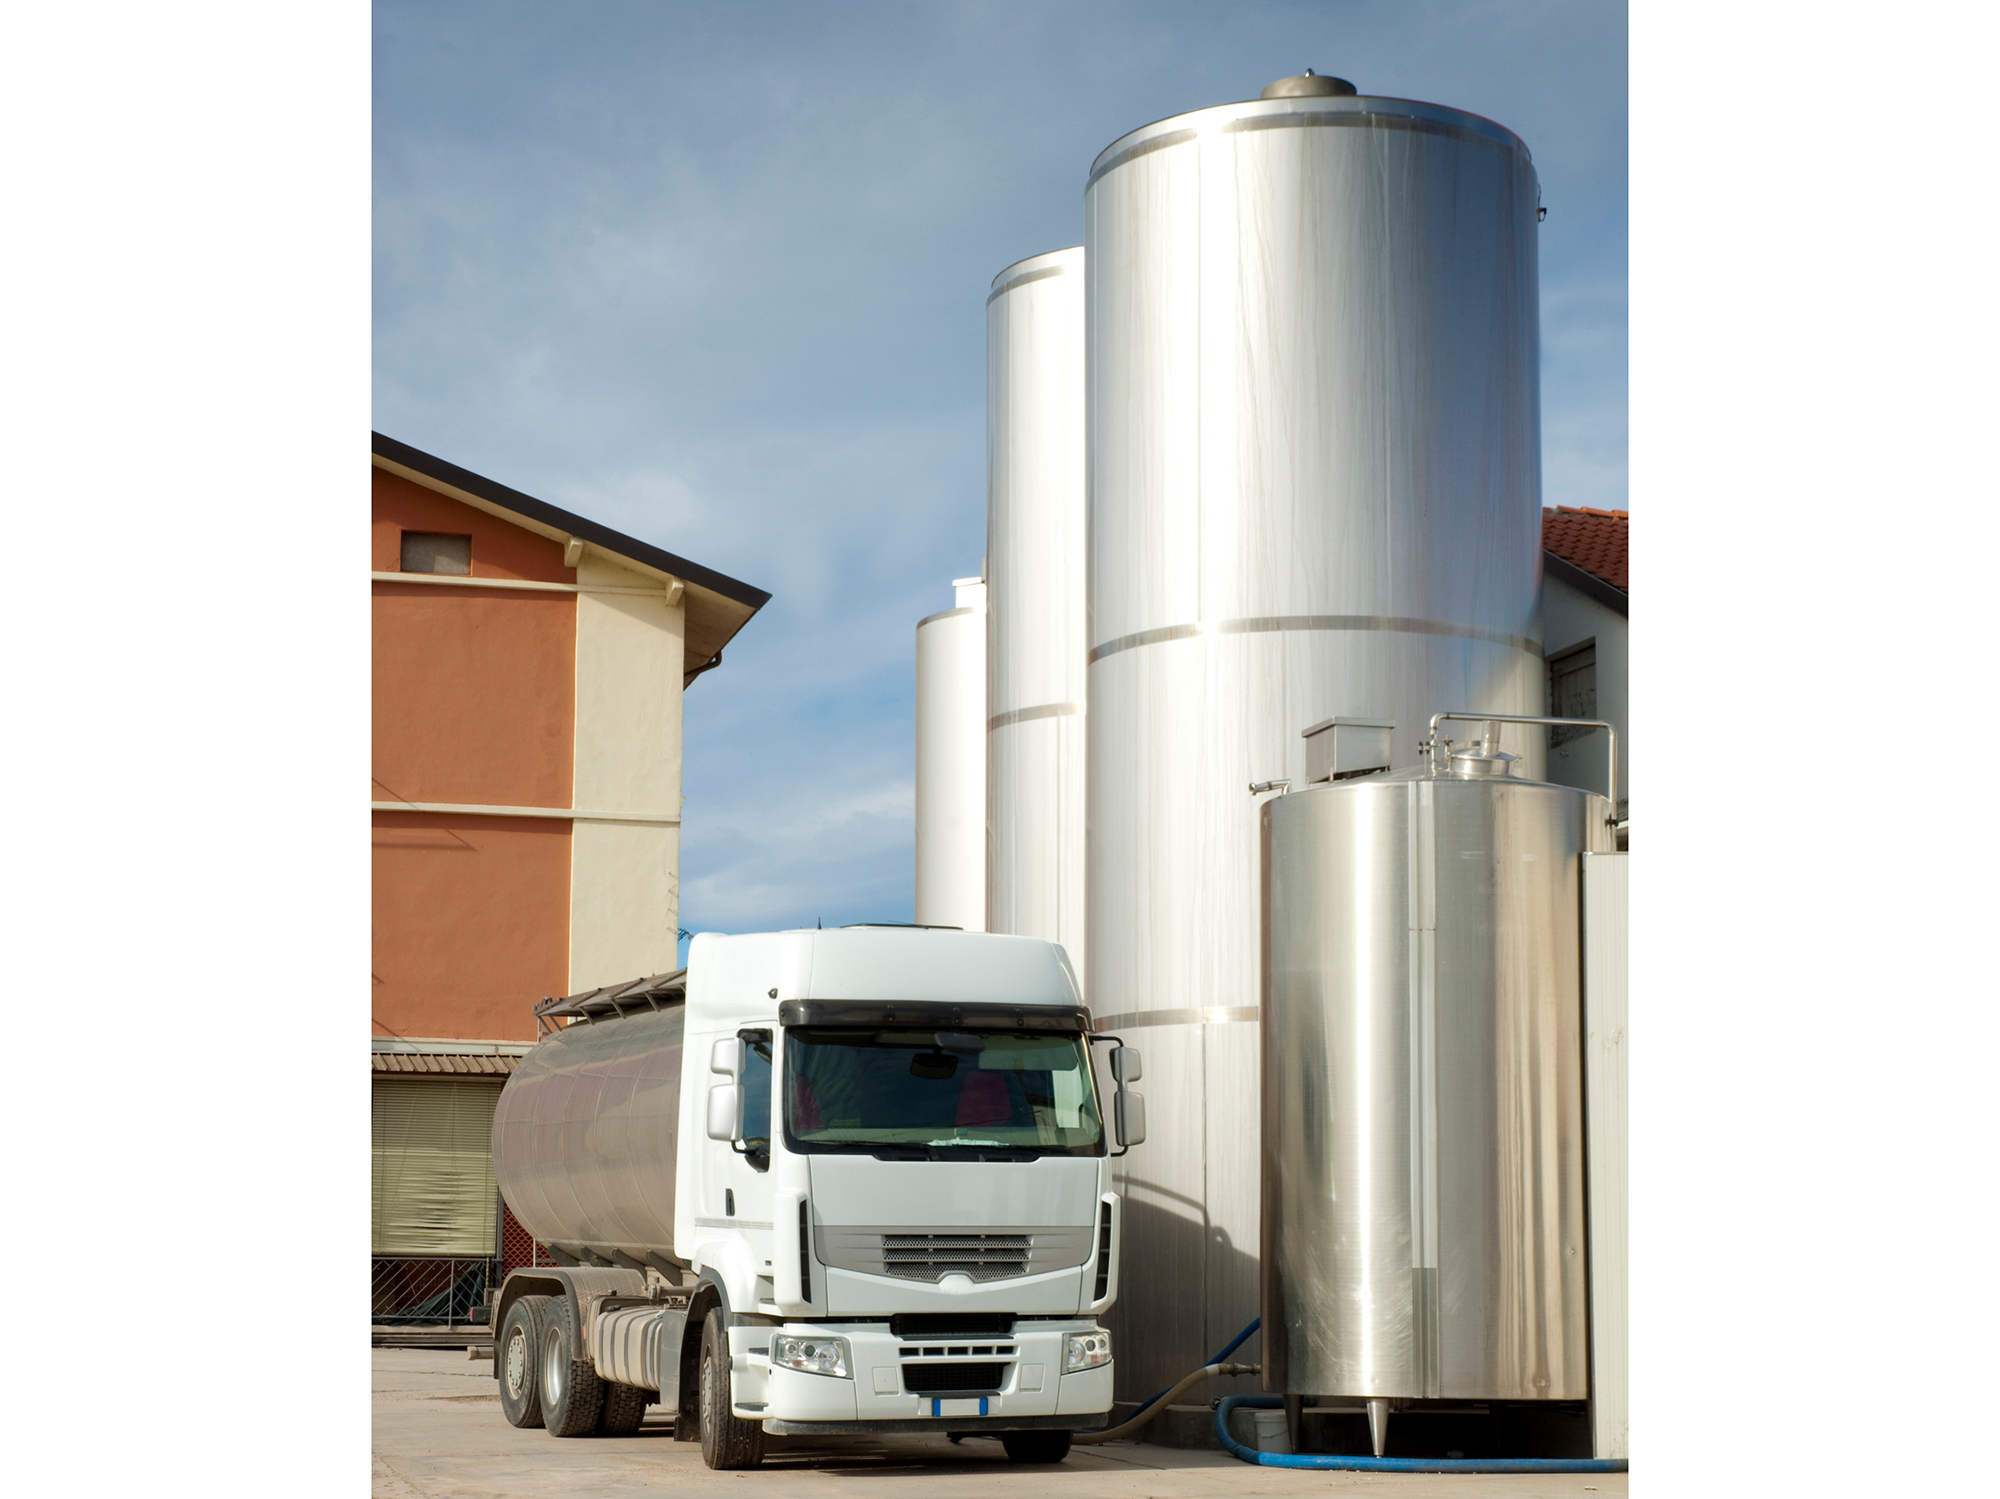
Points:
point(430, 1291)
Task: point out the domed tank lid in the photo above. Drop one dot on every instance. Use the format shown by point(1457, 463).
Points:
point(1308, 85)
point(1482, 756)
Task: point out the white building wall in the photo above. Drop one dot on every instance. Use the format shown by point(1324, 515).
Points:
point(1570, 618)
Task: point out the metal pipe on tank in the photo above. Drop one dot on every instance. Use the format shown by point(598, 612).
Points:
point(1611, 737)
point(1035, 601)
point(1313, 470)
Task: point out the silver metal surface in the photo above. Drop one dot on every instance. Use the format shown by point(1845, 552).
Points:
point(1313, 480)
point(1422, 1140)
point(1035, 592)
point(951, 763)
point(584, 1133)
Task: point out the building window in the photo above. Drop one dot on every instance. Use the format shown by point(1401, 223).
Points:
point(1572, 690)
point(436, 552)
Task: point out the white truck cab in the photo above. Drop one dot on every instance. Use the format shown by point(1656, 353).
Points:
point(898, 1181)
point(819, 1182)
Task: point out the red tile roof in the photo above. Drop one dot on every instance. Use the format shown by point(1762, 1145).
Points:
point(1593, 540)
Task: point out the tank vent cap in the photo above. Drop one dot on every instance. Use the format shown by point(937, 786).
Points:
point(1307, 85)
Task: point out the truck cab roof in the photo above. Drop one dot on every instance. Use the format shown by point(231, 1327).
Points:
point(732, 978)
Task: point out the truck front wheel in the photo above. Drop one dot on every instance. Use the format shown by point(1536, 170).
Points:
point(726, 1442)
point(1035, 1446)
point(515, 1356)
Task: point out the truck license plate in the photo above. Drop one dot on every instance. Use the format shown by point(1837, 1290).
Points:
point(956, 1407)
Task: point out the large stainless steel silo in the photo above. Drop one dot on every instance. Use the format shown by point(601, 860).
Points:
point(951, 762)
point(1035, 601)
point(1314, 492)
point(1423, 1230)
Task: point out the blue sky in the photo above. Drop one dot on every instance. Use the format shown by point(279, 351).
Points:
point(716, 275)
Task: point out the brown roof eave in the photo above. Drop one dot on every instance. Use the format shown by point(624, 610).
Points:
point(728, 603)
point(1588, 584)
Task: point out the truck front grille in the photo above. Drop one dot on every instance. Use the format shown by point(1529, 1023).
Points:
point(934, 1256)
point(954, 1379)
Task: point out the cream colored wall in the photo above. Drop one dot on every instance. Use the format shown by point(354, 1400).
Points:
point(625, 876)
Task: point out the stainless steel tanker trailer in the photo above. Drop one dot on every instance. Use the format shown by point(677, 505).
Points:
point(819, 1182)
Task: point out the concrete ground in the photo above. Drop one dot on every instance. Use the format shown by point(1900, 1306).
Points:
point(438, 1432)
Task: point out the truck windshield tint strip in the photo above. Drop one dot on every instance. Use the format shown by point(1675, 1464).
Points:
point(939, 1094)
point(934, 1015)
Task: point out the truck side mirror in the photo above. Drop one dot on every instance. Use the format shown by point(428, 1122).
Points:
point(1128, 1109)
point(725, 1111)
point(726, 1057)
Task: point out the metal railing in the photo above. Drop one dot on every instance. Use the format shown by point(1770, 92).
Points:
point(408, 1290)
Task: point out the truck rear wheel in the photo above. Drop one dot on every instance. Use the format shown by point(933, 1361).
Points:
point(624, 1409)
point(572, 1394)
point(726, 1442)
point(516, 1355)
point(1035, 1446)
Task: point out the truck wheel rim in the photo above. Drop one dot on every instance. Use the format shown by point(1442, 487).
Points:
point(552, 1370)
point(517, 1363)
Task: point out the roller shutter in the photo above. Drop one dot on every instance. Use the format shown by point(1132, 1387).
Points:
point(433, 1166)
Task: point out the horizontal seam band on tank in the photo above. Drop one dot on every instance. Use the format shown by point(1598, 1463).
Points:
point(1272, 623)
point(460, 580)
point(1215, 1015)
point(1019, 281)
point(1024, 715)
point(730, 1223)
point(1303, 121)
point(570, 814)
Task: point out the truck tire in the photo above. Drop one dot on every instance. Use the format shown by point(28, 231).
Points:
point(726, 1442)
point(624, 1409)
point(571, 1393)
point(516, 1356)
point(1035, 1446)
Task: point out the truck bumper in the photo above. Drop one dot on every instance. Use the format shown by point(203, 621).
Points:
point(957, 1423)
point(905, 1384)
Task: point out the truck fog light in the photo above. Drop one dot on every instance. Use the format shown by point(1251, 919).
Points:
point(1085, 1350)
point(811, 1355)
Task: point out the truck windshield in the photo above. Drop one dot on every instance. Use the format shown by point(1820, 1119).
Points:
point(938, 1094)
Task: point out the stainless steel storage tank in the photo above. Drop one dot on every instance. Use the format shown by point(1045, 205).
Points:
point(1423, 1228)
point(585, 1131)
point(951, 762)
point(1035, 599)
point(1313, 492)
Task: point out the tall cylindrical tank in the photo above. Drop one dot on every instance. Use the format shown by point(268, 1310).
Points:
point(1313, 492)
point(1422, 1139)
point(951, 762)
point(1035, 601)
point(584, 1137)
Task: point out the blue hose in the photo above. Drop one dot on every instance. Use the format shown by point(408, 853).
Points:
point(1234, 1343)
point(1395, 1464)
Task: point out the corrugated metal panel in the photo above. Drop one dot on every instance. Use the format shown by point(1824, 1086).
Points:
point(442, 1064)
point(433, 1166)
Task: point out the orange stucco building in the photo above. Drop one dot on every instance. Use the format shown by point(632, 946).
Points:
point(529, 667)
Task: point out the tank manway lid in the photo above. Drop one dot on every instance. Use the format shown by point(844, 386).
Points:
point(1308, 85)
point(633, 997)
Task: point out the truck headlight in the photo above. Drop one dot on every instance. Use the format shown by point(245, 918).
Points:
point(811, 1355)
point(1085, 1350)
